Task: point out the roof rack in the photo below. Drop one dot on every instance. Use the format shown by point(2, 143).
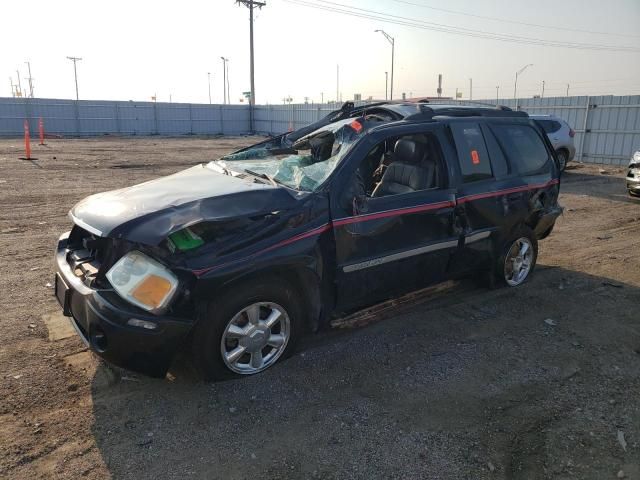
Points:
point(428, 112)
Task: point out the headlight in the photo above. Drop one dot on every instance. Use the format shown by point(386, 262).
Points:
point(143, 281)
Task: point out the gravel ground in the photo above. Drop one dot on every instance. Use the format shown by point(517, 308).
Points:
point(540, 381)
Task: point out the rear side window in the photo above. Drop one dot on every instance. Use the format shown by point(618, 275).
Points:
point(549, 126)
point(472, 152)
point(523, 146)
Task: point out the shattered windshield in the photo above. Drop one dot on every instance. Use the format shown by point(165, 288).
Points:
point(304, 166)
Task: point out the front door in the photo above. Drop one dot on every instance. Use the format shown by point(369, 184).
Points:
point(396, 233)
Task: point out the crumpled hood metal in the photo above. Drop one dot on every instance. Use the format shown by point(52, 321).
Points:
point(149, 212)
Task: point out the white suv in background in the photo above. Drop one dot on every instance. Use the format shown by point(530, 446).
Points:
point(560, 135)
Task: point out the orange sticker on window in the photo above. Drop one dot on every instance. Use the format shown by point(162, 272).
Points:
point(475, 158)
point(356, 125)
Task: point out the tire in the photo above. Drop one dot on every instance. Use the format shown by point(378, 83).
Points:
point(563, 158)
point(222, 320)
point(504, 265)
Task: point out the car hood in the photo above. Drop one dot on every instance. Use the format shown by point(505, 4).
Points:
point(149, 212)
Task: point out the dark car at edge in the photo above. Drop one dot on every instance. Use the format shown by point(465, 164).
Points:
point(236, 259)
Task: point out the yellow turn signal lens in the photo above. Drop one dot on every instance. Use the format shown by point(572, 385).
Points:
point(152, 290)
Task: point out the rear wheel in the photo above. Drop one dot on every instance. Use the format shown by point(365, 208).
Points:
point(247, 329)
point(517, 259)
point(562, 159)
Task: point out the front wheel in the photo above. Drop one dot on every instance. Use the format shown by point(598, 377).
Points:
point(518, 258)
point(247, 329)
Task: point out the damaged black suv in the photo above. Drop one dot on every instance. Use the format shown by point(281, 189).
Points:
point(238, 258)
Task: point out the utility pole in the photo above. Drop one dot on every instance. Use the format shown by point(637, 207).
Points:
point(224, 80)
point(30, 80)
point(209, 79)
point(321, 97)
point(567, 89)
point(75, 73)
point(250, 4)
point(497, 94)
point(471, 89)
point(542, 95)
point(392, 41)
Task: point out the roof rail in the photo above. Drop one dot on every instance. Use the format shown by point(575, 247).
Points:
point(428, 112)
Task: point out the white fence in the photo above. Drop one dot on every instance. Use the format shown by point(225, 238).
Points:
point(607, 127)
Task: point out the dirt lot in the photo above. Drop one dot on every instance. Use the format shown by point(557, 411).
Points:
point(540, 381)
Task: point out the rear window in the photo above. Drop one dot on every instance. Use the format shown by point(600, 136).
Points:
point(549, 126)
point(523, 146)
point(472, 152)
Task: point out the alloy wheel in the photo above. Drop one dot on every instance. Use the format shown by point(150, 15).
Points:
point(518, 261)
point(255, 338)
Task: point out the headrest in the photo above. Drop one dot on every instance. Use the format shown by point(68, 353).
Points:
point(408, 151)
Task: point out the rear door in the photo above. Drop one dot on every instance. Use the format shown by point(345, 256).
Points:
point(503, 165)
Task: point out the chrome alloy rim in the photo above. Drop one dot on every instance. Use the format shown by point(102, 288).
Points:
point(255, 338)
point(517, 263)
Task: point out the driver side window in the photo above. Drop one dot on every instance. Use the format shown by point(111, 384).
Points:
point(400, 165)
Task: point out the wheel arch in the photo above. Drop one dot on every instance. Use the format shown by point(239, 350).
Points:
point(302, 277)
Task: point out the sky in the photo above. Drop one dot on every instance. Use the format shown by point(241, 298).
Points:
point(133, 50)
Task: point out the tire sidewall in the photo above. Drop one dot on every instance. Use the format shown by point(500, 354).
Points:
point(503, 250)
point(217, 313)
point(561, 154)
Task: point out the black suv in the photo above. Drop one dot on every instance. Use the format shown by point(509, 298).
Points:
point(239, 257)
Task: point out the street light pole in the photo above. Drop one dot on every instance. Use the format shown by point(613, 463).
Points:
point(392, 41)
point(337, 83)
point(224, 80)
point(19, 84)
point(515, 85)
point(209, 81)
point(228, 82)
point(386, 85)
point(75, 73)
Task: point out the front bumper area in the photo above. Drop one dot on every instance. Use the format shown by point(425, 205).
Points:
point(633, 185)
point(101, 322)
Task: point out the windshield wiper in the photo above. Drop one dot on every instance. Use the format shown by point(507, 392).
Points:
point(262, 175)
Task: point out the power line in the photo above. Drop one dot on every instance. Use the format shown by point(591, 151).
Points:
point(504, 20)
point(405, 21)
